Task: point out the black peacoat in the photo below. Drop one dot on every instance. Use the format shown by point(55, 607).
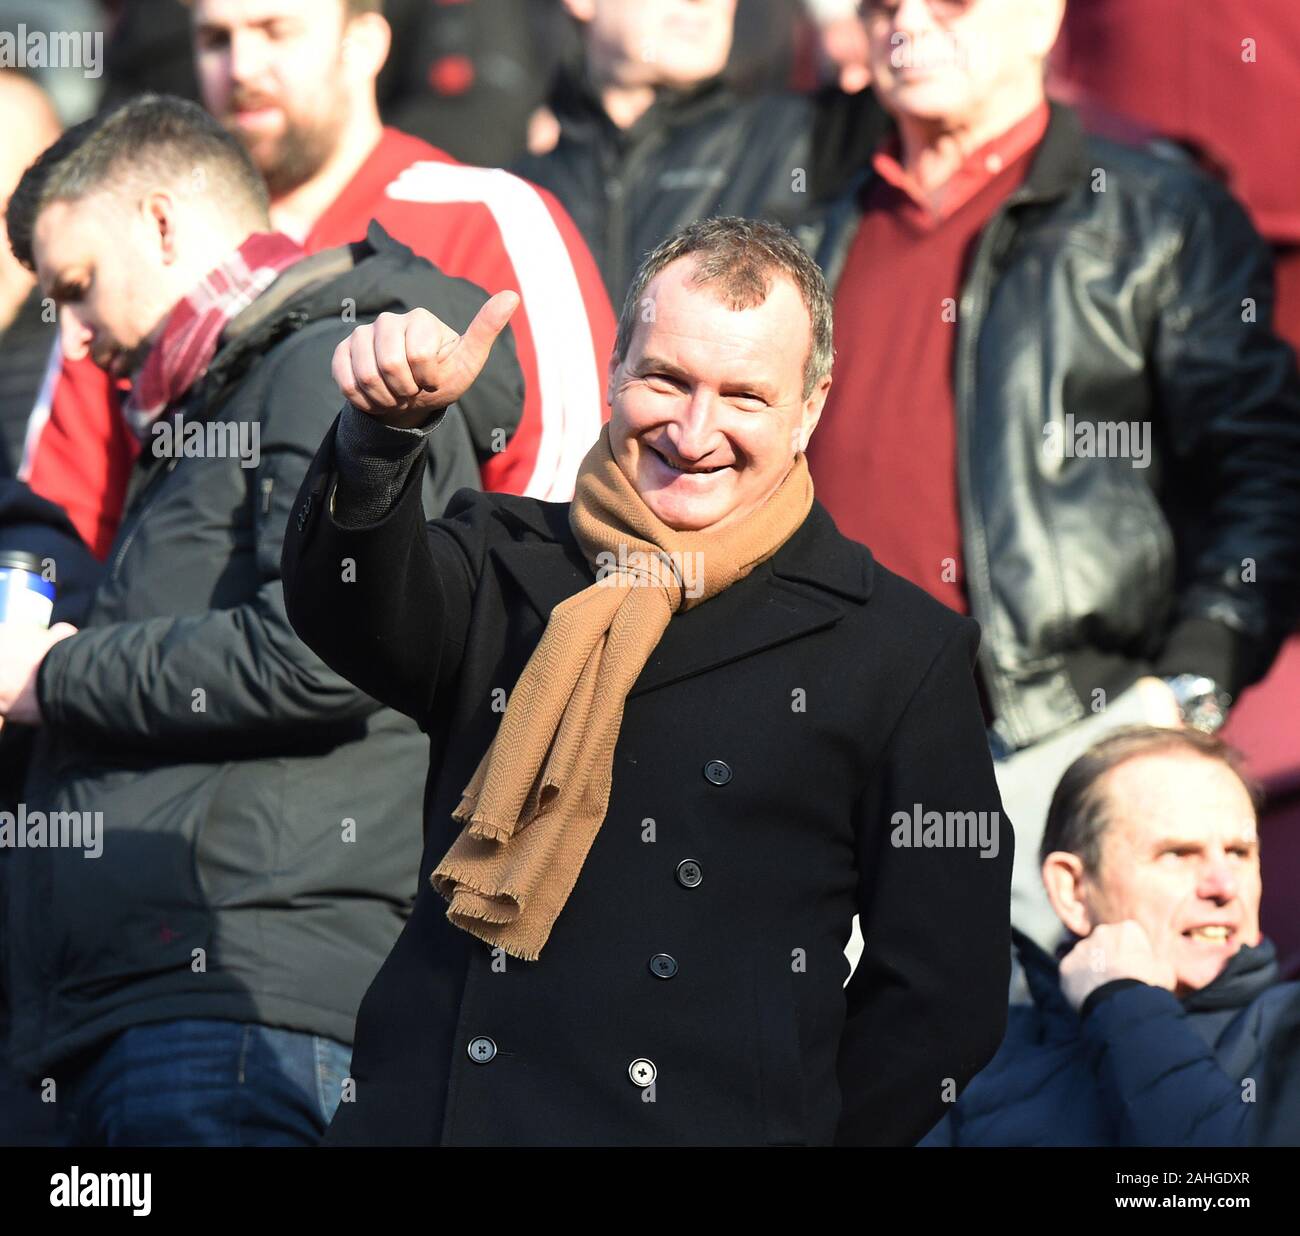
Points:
point(777, 760)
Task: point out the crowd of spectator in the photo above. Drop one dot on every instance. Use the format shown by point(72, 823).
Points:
point(1063, 244)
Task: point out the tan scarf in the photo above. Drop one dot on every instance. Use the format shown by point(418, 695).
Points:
point(541, 791)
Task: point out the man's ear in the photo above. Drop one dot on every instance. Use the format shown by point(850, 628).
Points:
point(582, 10)
point(812, 412)
point(1064, 878)
point(367, 40)
point(159, 209)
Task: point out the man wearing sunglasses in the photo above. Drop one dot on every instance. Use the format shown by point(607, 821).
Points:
point(1059, 403)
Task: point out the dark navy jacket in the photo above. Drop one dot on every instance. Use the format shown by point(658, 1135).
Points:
point(1141, 1067)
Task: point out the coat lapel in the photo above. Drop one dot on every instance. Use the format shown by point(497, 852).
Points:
point(801, 589)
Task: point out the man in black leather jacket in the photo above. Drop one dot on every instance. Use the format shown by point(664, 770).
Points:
point(1123, 425)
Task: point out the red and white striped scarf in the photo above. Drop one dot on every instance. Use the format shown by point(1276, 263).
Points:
point(183, 351)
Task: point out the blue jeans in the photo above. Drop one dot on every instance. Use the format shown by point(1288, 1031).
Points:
point(202, 1082)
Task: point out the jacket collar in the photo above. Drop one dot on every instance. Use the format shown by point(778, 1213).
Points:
point(577, 105)
point(1060, 164)
point(804, 587)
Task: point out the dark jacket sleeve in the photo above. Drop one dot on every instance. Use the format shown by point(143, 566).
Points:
point(1231, 401)
point(386, 604)
point(135, 682)
point(1157, 1076)
point(927, 1004)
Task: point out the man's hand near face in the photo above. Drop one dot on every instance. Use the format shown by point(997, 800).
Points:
point(404, 368)
point(22, 649)
point(1113, 951)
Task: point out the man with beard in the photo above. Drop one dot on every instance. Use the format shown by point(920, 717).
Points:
point(294, 80)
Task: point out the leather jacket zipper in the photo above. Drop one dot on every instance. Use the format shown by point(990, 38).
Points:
point(979, 582)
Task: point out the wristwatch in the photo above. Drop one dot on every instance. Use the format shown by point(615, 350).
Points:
point(1202, 705)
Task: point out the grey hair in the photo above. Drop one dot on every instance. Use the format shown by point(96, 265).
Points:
point(738, 257)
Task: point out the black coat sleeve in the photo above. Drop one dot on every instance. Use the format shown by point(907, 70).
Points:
point(387, 605)
point(927, 1004)
point(1230, 397)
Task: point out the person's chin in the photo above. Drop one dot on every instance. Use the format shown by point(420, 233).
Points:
point(927, 96)
point(685, 502)
point(684, 514)
point(1201, 968)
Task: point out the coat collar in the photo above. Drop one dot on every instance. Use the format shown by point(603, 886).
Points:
point(801, 589)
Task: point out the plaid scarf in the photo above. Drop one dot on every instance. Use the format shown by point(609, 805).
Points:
point(184, 349)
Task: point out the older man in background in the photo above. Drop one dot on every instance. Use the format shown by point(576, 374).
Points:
point(1059, 404)
point(1164, 1024)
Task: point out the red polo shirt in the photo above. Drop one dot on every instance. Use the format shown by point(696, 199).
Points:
point(884, 457)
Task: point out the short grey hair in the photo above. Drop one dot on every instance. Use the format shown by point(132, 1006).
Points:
point(738, 258)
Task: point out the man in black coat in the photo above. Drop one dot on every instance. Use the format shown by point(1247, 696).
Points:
point(799, 746)
point(1164, 1023)
point(237, 826)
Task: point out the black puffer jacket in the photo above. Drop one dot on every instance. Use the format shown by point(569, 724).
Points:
point(694, 155)
point(1138, 1067)
point(260, 815)
point(1117, 287)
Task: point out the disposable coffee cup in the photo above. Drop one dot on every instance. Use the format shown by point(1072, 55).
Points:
point(26, 596)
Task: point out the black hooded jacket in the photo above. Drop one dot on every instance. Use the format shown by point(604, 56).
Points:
point(258, 816)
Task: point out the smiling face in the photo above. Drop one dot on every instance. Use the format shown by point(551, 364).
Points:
point(111, 272)
point(1181, 856)
point(708, 408)
point(275, 74)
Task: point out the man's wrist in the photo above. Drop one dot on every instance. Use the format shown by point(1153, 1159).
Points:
point(1104, 992)
point(373, 462)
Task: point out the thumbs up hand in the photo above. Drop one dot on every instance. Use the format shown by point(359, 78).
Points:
point(405, 367)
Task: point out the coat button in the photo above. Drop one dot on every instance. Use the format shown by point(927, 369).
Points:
point(717, 772)
point(642, 1072)
point(663, 966)
point(689, 874)
point(482, 1049)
